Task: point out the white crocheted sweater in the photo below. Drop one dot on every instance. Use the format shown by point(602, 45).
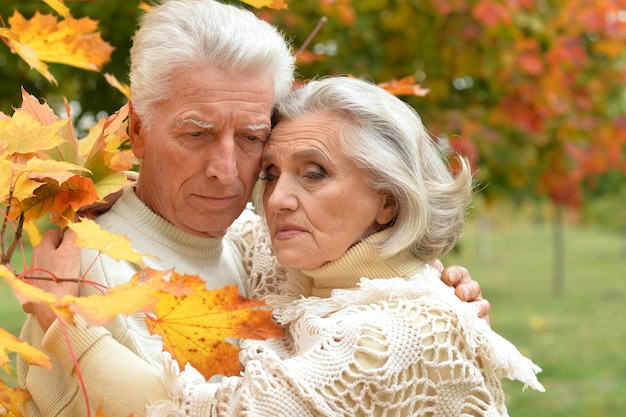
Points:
point(401, 344)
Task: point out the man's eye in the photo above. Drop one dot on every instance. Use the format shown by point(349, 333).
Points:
point(195, 134)
point(254, 138)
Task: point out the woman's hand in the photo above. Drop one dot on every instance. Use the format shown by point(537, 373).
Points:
point(57, 260)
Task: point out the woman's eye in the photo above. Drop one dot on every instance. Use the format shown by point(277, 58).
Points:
point(317, 173)
point(267, 176)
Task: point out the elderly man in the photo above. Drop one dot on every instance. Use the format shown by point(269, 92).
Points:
point(204, 77)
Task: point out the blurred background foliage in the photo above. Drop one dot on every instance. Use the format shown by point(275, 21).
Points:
point(532, 91)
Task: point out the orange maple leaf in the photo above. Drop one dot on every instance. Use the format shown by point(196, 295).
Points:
point(45, 39)
point(404, 87)
point(11, 398)
point(61, 201)
point(194, 327)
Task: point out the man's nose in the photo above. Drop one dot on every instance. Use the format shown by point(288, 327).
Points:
point(222, 160)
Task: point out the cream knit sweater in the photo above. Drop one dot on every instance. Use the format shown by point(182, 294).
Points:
point(401, 344)
point(219, 261)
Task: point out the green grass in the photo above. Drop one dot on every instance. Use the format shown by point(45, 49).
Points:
point(577, 338)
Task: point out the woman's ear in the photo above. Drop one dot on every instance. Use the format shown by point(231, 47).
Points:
point(387, 211)
point(136, 133)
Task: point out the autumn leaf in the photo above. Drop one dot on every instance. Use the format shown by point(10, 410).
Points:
point(56, 170)
point(34, 235)
point(41, 158)
point(10, 343)
point(194, 327)
point(11, 398)
point(23, 134)
point(139, 295)
point(26, 292)
point(59, 7)
point(404, 86)
point(45, 39)
point(114, 82)
point(272, 4)
point(60, 201)
point(40, 111)
point(89, 235)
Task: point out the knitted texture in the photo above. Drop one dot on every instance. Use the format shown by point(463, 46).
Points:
point(393, 347)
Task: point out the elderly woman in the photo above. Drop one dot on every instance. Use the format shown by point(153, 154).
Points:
point(358, 201)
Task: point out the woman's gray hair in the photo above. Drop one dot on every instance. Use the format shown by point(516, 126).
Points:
point(386, 138)
point(182, 33)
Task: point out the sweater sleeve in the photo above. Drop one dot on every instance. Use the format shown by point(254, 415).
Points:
point(114, 378)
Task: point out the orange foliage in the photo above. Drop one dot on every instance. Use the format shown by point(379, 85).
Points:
point(194, 327)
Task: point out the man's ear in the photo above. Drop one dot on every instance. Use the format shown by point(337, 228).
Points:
point(136, 132)
point(387, 211)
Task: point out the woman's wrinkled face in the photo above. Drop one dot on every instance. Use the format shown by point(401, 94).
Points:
point(317, 201)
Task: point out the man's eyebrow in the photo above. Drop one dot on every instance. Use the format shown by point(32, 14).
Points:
point(209, 125)
point(199, 123)
point(259, 126)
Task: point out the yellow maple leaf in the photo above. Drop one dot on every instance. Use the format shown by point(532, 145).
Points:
point(89, 235)
point(140, 294)
point(57, 170)
point(33, 233)
point(26, 292)
point(11, 398)
point(32, 355)
point(23, 134)
point(14, 181)
point(59, 7)
point(194, 327)
point(44, 38)
point(272, 4)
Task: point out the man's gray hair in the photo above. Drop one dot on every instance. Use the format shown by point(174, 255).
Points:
point(183, 33)
point(386, 138)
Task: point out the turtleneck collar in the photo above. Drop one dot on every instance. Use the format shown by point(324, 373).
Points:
point(157, 228)
point(361, 261)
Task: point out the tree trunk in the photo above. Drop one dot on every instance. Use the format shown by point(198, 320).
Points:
point(558, 270)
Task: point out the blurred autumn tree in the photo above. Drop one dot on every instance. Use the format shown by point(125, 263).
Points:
point(531, 90)
point(89, 90)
